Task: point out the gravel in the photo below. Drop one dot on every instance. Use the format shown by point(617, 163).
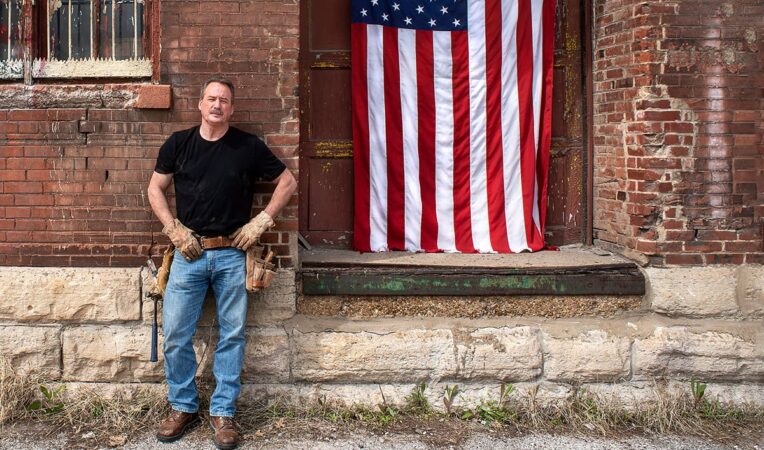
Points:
point(480, 440)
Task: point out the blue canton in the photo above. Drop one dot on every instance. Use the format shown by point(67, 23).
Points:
point(435, 15)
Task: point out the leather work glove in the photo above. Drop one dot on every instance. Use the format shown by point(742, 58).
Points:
point(183, 240)
point(248, 235)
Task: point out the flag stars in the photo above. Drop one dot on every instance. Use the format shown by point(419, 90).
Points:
point(407, 20)
point(396, 7)
point(374, 2)
point(364, 12)
point(385, 17)
point(444, 10)
point(457, 22)
point(420, 9)
point(432, 22)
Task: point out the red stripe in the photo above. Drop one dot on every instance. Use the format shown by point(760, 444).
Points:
point(461, 97)
point(394, 137)
point(494, 158)
point(525, 93)
point(361, 233)
point(426, 135)
point(545, 130)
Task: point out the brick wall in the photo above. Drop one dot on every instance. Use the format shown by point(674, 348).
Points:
point(678, 169)
point(76, 160)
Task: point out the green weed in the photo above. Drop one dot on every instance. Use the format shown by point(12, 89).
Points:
point(51, 402)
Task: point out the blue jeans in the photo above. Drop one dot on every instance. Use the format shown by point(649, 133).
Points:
point(224, 270)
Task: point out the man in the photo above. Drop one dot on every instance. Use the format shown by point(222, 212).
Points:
point(214, 167)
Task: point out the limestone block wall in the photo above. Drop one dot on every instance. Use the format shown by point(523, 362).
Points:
point(92, 327)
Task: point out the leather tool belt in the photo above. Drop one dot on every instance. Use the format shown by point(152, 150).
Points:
point(209, 243)
point(260, 268)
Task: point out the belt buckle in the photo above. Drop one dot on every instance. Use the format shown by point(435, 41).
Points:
point(201, 240)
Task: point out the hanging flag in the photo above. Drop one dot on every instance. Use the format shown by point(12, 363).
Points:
point(451, 124)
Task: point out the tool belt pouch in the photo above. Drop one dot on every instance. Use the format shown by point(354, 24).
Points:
point(260, 269)
point(163, 274)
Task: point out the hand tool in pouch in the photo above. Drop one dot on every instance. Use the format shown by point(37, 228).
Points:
point(156, 293)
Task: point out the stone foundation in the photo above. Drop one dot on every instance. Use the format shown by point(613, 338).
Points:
point(91, 327)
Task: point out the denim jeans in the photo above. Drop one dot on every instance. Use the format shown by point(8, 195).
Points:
point(224, 270)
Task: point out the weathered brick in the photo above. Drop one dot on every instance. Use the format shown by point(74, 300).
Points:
point(692, 291)
point(701, 354)
point(64, 294)
point(507, 354)
point(109, 353)
point(590, 356)
point(394, 356)
point(32, 349)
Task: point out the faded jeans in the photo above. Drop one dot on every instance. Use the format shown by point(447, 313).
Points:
point(223, 269)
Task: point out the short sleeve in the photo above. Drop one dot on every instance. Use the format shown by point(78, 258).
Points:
point(167, 156)
point(269, 166)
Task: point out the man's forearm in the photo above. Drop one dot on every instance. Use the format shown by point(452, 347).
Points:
point(285, 187)
point(160, 206)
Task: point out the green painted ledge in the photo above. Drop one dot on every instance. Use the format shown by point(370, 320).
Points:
point(619, 279)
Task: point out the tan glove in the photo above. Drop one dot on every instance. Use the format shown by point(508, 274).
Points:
point(184, 241)
point(248, 235)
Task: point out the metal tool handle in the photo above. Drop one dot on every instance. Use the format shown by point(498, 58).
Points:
point(154, 334)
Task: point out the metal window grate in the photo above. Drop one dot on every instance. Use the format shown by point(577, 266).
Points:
point(95, 29)
point(10, 30)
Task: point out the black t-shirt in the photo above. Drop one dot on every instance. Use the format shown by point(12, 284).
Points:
point(215, 181)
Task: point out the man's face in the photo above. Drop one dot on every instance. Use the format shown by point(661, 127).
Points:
point(216, 105)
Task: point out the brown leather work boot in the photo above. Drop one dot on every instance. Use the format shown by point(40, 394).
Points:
point(226, 437)
point(175, 425)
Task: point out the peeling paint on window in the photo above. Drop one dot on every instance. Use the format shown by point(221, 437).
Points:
point(91, 68)
point(11, 69)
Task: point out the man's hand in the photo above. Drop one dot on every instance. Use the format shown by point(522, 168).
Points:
point(248, 235)
point(184, 241)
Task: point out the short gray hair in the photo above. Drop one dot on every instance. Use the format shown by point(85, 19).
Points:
point(217, 79)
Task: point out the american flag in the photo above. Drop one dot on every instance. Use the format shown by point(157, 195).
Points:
point(451, 124)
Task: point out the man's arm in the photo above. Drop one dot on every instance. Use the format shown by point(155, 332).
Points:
point(157, 187)
point(285, 187)
point(180, 236)
point(248, 235)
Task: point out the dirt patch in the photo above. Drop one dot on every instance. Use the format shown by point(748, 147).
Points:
point(467, 307)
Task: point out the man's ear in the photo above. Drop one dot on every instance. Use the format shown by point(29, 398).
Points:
point(199, 105)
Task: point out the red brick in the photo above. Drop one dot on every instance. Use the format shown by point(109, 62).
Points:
point(12, 175)
point(25, 187)
point(684, 259)
point(152, 96)
point(743, 246)
point(704, 247)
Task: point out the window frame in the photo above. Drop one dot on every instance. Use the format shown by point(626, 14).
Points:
point(35, 64)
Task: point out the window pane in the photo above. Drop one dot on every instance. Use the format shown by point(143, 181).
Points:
point(118, 22)
point(10, 30)
point(59, 30)
point(70, 31)
point(104, 29)
point(81, 20)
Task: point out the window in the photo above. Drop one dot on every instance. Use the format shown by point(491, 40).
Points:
point(76, 39)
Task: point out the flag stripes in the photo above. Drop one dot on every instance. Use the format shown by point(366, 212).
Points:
point(451, 128)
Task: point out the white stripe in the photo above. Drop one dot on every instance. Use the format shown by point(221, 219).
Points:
point(510, 130)
point(538, 82)
point(377, 151)
point(481, 234)
point(444, 141)
point(409, 116)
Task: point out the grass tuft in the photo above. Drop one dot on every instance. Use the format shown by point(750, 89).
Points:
point(16, 392)
point(126, 413)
